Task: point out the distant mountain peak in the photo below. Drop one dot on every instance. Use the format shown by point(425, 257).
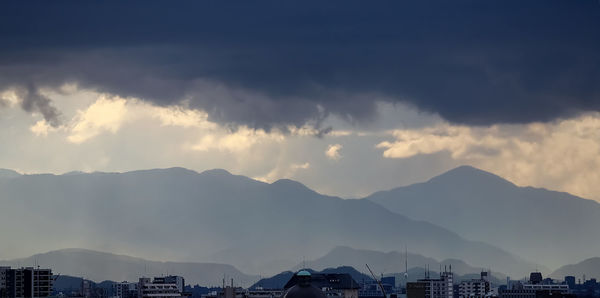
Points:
point(291, 185)
point(469, 174)
point(217, 172)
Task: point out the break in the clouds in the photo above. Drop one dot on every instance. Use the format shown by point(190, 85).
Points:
point(273, 63)
point(103, 132)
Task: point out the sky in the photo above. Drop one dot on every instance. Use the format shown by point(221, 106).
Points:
point(347, 97)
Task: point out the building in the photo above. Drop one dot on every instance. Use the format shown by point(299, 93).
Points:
point(475, 288)
point(301, 286)
point(332, 284)
point(3, 281)
point(432, 287)
point(25, 282)
point(161, 287)
point(231, 292)
point(535, 287)
point(570, 281)
point(416, 290)
point(125, 290)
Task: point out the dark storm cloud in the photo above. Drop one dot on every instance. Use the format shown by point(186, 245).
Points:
point(264, 63)
point(34, 101)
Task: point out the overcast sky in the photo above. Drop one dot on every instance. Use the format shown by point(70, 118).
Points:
point(346, 97)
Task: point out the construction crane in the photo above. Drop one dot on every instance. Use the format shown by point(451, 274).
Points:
point(378, 281)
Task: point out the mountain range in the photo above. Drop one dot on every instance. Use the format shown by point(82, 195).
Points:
point(464, 216)
point(546, 227)
point(214, 216)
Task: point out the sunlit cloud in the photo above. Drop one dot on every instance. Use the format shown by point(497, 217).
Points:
point(284, 171)
point(105, 115)
point(563, 155)
point(41, 128)
point(238, 141)
point(333, 152)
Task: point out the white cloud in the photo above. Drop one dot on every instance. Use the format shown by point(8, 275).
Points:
point(333, 152)
point(106, 114)
point(287, 171)
point(9, 97)
point(238, 141)
point(41, 128)
point(562, 155)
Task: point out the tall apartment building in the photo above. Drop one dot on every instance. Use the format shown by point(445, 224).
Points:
point(25, 282)
point(476, 288)
point(432, 287)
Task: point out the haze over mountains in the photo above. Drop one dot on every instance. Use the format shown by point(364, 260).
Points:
point(389, 262)
point(547, 227)
point(177, 214)
point(100, 266)
point(590, 268)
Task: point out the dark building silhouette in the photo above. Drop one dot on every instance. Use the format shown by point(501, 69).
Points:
point(300, 287)
point(570, 281)
point(27, 282)
point(535, 278)
point(416, 290)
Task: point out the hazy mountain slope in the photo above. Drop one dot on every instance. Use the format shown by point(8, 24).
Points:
point(99, 266)
point(547, 227)
point(4, 173)
point(590, 268)
point(177, 214)
point(388, 262)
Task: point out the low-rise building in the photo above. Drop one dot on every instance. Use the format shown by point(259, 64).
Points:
point(332, 284)
point(161, 287)
point(476, 288)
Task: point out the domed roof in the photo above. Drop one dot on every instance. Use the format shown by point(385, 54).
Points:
point(298, 291)
point(303, 273)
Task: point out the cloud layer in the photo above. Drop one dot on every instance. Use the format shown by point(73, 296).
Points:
point(272, 63)
point(563, 155)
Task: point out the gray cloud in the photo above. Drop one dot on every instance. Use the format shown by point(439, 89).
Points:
point(273, 63)
point(34, 101)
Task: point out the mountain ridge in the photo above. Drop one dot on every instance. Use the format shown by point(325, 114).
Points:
point(217, 217)
point(482, 206)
